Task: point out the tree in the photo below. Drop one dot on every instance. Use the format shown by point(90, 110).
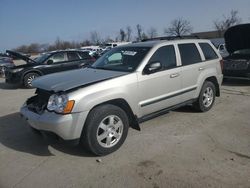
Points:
point(122, 35)
point(129, 32)
point(152, 32)
point(86, 43)
point(108, 39)
point(95, 38)
point(179, 27)
point(226, 22)
point(139, 32)
point(144, 36)
point(33, 48)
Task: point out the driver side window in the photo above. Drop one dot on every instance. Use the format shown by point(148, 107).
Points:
point(166, 56)
point(58, 57)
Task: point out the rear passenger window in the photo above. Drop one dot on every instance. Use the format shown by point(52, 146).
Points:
point(73, 56)
point(84, 55)
point(208, 51)
point(189, 54)
point(165, 55)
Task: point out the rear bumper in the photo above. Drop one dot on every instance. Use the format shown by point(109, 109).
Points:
point(67, 127)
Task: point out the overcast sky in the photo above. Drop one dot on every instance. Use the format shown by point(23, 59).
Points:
point(27, 21)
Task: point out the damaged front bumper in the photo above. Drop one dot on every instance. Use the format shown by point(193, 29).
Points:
point(68, 127)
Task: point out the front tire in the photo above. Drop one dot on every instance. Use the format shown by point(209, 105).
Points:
point(206, 98)
point(28, 78)
point(105, 130)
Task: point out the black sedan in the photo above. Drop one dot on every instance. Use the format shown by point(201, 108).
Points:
point(46, 63)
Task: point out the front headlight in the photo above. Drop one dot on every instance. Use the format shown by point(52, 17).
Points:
point(60, 104)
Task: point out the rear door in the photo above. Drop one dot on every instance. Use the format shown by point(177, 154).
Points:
point(192, 66)
point(73, 61)
point(159, 90)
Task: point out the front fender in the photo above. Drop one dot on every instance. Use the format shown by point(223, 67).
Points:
point(119, 88)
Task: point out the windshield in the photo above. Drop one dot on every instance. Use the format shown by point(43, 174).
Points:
point(124, 59)
point(42, 58)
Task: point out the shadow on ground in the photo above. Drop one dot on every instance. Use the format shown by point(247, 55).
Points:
point(17, 135)
point(6, 86)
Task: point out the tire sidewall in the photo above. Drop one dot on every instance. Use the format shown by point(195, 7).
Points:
point(25, 79)
point(204, 87)
point(92, 123)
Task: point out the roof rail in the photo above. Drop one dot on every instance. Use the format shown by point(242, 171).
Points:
point(172, 38)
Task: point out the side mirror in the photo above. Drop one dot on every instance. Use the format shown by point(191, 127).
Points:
point(153, 67)
point(49, 62)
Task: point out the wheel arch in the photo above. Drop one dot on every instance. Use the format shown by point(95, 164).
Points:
point(214, 80)
point(31, 71)
point(123, 104)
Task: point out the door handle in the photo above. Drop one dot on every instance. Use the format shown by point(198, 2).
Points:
point(174, 75)
point(201, 68)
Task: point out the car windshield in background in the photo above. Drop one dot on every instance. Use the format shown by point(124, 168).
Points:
point(42, 58)
point(124, 59)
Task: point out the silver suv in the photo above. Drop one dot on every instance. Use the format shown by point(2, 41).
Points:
point(129, 84)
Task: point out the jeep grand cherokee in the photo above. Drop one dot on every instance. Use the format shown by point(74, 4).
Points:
point(128, 85)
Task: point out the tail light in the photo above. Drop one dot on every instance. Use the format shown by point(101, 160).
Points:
point(222, 64)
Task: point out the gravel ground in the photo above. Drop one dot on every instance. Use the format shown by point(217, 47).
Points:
point(180, 149)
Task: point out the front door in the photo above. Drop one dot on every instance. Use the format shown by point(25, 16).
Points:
point(160, 89)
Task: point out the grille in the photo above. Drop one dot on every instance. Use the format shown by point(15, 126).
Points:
point(38, 103)
point(236, 65)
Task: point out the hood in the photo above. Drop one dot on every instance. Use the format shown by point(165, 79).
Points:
point(237, 38)
point(20, 56)
point(67, 80)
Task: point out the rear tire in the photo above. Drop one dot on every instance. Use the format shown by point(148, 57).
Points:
point(105, 130)
point(206, 98)
point(28, 78)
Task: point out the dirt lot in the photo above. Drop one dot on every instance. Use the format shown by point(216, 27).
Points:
point(179, 149)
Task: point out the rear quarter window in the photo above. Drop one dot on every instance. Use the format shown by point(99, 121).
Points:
point(208, 51)
point(72, 56)
point(84, 55)
point(189, 54)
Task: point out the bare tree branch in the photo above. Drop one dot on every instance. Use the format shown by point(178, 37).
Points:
point(129, 32)
point(179, 27)
point(227, 21)
point(152, 32)
point(139, 32)
point(122, 35)
point(95, 37)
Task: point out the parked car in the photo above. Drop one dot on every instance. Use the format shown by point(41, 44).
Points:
point(92, 53)
point(47, 63)
point(5, 63)
point(237, 64)
point(129, 84)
